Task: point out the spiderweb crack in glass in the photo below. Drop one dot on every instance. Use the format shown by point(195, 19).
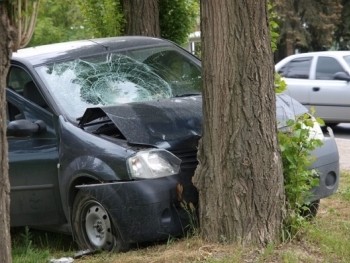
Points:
point(116, 78)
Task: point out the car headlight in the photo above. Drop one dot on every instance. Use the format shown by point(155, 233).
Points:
point(315, 132)
point(153, 163)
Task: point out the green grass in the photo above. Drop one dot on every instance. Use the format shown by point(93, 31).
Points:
point(32, 246)
point(325, 239)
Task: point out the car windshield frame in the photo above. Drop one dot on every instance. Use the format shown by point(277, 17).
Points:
point(121, 76)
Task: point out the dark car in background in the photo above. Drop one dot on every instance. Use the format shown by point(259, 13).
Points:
point(103, 138)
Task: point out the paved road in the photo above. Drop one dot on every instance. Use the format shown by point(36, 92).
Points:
point(342, 136)
point(344, 153)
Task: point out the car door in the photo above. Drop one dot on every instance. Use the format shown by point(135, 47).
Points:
point(33, 159)
point(296, 74)
point(330, 97)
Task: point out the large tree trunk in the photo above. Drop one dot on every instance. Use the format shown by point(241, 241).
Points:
point(5, 54)
point(239, 176)
point(142, 17)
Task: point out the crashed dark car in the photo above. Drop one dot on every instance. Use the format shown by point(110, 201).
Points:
point(102, 140)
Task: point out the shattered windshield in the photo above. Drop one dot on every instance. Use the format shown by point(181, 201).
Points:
point(128, 76)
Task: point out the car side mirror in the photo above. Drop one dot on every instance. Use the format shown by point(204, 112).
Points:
point(341, 76)
point(24, 128)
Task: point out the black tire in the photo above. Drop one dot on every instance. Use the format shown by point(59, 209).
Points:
point(92, 227)
point(311, 210)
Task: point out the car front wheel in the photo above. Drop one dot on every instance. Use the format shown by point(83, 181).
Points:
point(92, 227)
point(311, 210)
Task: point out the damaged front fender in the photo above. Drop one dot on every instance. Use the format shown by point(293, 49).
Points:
point(145, 210)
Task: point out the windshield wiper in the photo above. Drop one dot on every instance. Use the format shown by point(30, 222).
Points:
point(187, 95)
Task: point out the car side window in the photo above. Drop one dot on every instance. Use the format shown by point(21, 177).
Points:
point(298, 68)
point(327, 67)
point(20, 81)
point(17, 78)
point(7, 113)
point(13, 112)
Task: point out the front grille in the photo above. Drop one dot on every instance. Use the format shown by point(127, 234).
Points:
point(188, 158)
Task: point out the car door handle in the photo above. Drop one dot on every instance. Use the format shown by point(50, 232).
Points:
point(316, 88)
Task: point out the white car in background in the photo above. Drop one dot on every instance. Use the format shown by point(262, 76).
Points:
point(320, 80)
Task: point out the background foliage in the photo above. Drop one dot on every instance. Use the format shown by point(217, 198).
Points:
point(178, 19)
point(103, 18)
point(67, 20)
point(304, 25)
point(59, 21)
point(307, 25)
point(342, 31)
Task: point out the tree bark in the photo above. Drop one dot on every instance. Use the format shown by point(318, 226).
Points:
point(290, 46)
point(5, 55)
point(239, 176)
point(142, 17)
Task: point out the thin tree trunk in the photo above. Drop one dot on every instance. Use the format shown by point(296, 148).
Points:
point(239, 176)
point(290, 46)
point(5, 51)
point(142, 17)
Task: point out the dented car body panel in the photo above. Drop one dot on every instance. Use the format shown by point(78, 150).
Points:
point(135, 221)
point(119, 114)
point(161, 123)
point(327, 167)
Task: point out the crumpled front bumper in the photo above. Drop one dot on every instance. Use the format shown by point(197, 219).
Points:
point(327, 167)
point(149, 210)
point(145, 210)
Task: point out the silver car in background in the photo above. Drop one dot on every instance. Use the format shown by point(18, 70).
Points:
point(320, 80)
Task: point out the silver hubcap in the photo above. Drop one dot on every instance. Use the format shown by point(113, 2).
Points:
point(98, 227)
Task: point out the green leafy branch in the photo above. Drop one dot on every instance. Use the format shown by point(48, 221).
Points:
point(296, 144)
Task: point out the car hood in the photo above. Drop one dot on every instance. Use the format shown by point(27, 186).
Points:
point(172, 123)
point(287, 108)
point(160, 123)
